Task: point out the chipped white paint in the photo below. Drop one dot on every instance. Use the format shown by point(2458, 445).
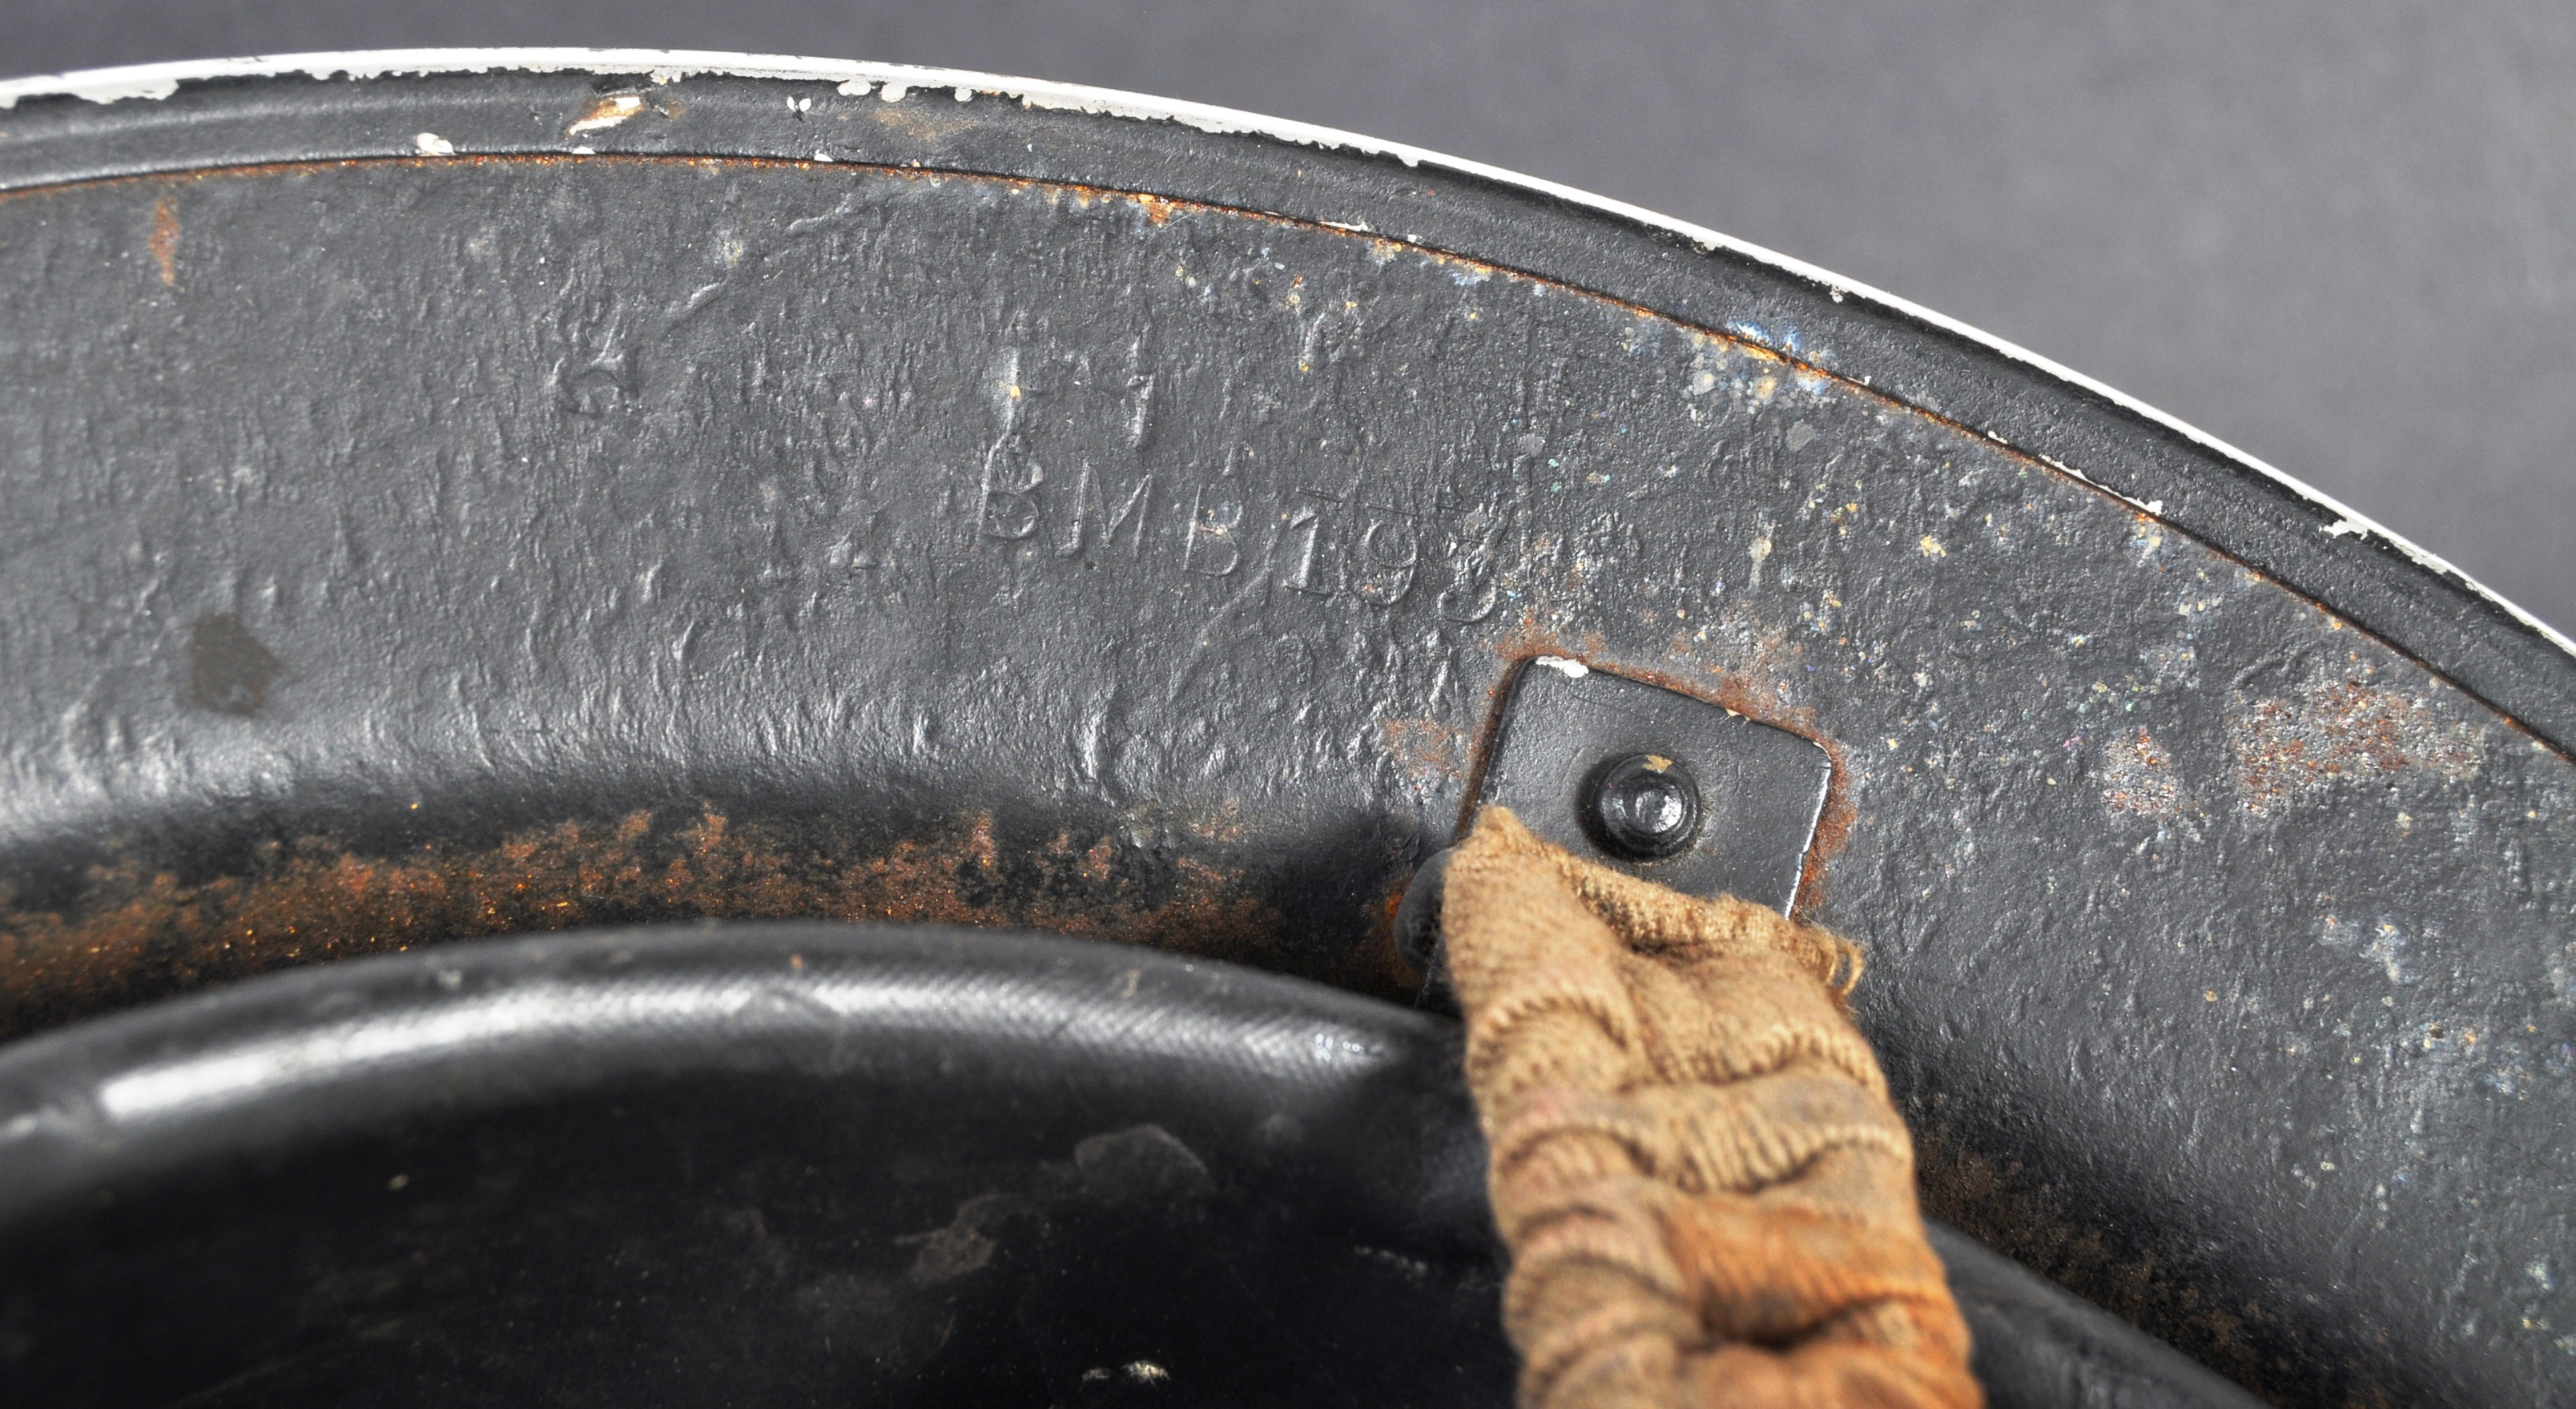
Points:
point(607, 113)
point(430, 144)
point(2341, 527)
point(1570, 669)
point(152, 82)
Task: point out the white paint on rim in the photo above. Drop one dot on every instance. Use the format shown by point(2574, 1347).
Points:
point(666, 66)
point(430, 144)
point(1570, 669)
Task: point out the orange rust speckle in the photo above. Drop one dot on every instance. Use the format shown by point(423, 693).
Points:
point(2292, 751)
point(164, 242)
point(1222, 825)
point(2138, 777)
point(1392, 972)
point(1427, 752)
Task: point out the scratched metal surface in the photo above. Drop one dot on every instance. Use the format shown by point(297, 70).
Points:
point(399, 550)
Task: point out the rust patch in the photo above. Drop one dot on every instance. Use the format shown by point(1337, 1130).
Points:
point(1379, 968)
point(164, 242)
point(1221, 825)
point(1833, 829)
point(2294, 751)
point(2137, 777)
point(1427, 752)
point(140, 933)
point(923, 122)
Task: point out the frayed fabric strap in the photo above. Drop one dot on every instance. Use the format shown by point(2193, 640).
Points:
point(1707, 1196)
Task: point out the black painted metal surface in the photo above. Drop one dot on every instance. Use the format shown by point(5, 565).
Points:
point(1008, 522)
point(791, 1164)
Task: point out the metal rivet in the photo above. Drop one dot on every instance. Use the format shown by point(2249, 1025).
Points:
point(1643, 807)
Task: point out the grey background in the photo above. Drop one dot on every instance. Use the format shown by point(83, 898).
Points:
point(2340, 234)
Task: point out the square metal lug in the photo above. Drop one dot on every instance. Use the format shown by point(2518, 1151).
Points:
point(1761, 789)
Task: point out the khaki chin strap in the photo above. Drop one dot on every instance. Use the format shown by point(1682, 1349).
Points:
point(1707, 1196)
